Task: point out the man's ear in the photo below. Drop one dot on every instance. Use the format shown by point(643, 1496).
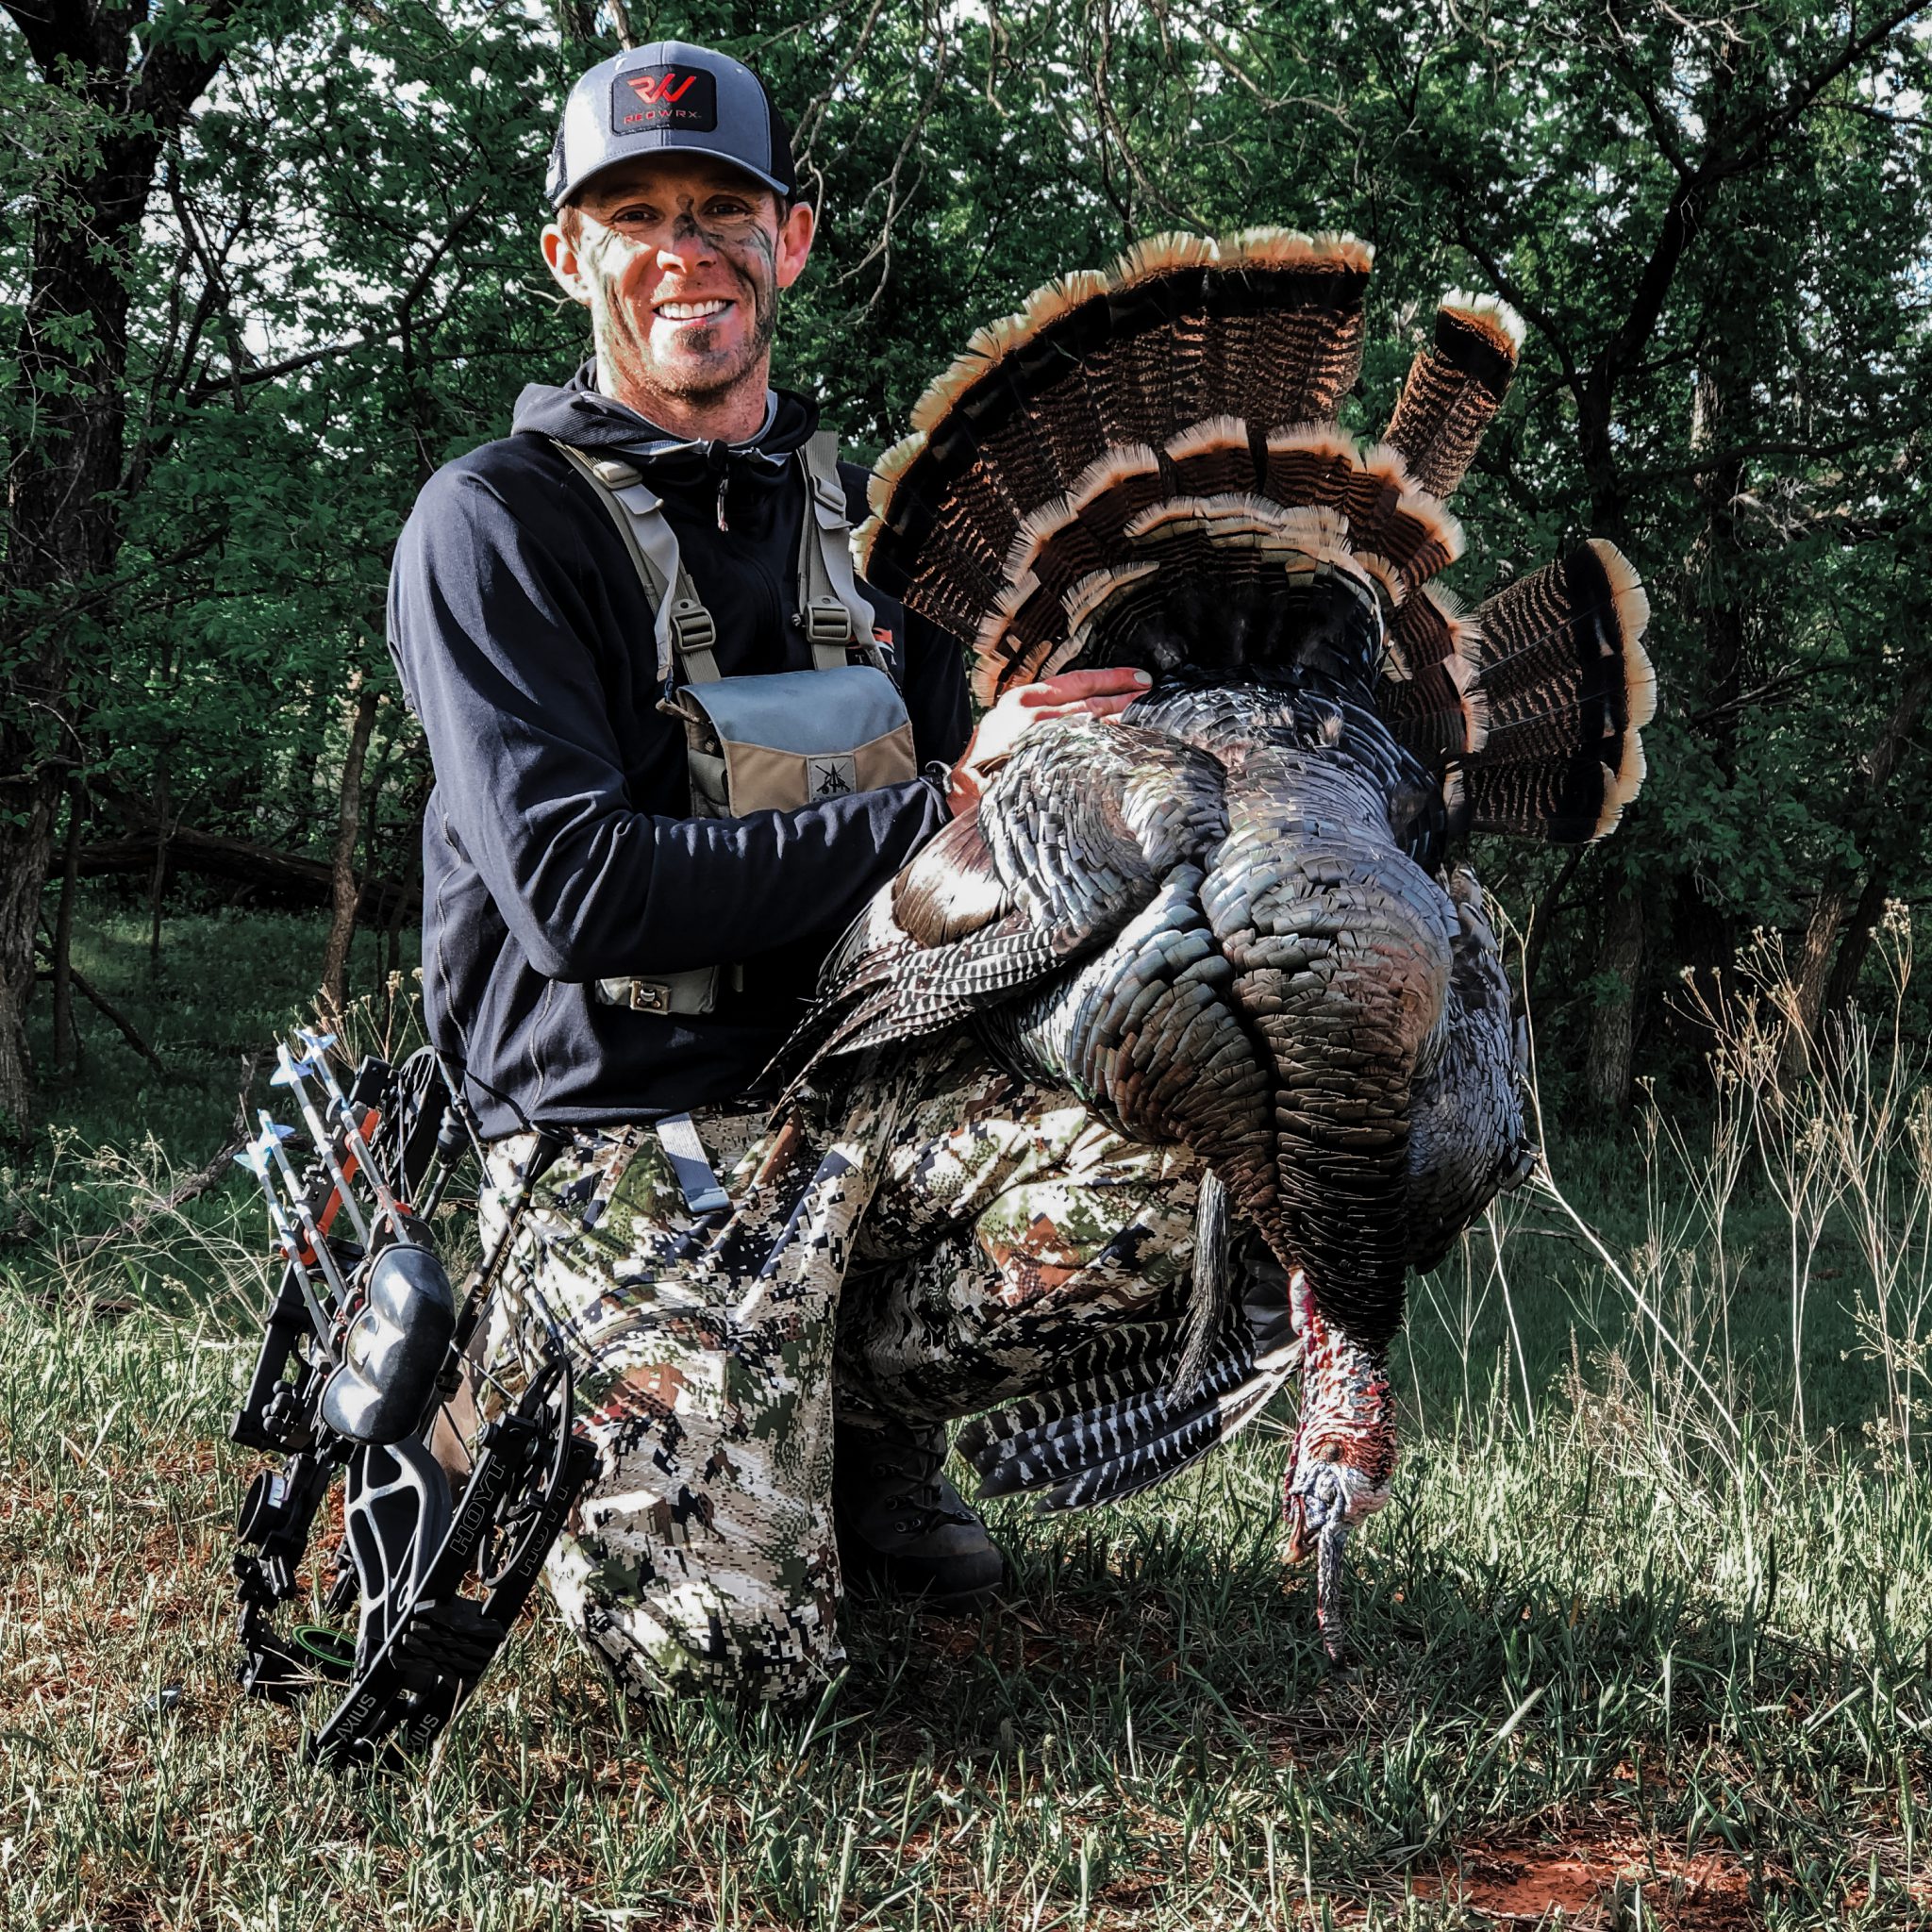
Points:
point(794, 242)
point(560, 255)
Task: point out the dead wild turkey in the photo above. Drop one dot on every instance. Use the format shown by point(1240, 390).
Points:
point(1229, 920)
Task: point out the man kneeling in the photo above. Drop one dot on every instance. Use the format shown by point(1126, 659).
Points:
point(678, 744)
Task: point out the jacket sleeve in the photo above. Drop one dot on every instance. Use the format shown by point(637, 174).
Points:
point(935, 691)
point(491, 636)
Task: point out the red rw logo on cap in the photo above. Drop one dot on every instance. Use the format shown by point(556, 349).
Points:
point(648, 98)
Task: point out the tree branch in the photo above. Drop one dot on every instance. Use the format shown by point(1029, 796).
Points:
point(1806, 92)
point(267, 372)
point(53, 31)
point(173, 72)
point(120, 1022)
point(1513, 292)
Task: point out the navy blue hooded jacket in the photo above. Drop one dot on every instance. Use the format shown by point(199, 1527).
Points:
point(558, 846)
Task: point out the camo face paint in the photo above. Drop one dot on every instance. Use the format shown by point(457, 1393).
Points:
point(682, 270)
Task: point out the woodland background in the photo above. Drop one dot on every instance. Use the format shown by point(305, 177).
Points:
point(265, 264)
point(1647, 1628)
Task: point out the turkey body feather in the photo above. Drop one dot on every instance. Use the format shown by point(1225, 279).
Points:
point(1241, 950)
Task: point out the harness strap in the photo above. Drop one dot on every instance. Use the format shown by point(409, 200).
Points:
point(835, 618)
point(687, 632)
point(678, 1135)
point(832, 614)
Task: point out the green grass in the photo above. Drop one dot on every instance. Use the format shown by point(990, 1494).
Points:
point(1620, 1655)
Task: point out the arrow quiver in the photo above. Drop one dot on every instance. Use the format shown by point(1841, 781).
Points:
point(362, 1366)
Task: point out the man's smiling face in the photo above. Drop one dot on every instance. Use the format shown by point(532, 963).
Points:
point(680, 258)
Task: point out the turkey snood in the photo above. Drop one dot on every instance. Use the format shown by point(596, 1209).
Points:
point(1231, 919)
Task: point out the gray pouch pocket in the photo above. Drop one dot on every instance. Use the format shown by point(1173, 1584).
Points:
point(792, 739)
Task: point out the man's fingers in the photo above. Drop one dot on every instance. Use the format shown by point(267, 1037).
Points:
point(1071, 687)
point(1087, 708)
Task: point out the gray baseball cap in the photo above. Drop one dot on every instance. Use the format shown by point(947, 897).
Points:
point(668, 95)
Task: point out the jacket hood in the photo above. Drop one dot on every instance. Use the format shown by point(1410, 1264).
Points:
point(580, 415)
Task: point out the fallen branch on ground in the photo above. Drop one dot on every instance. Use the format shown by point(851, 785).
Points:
point(210, 1175)
point(118, 1020)
point(272, 878)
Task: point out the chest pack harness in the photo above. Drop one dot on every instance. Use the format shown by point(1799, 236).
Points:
point(771, 742)
point(775, 742)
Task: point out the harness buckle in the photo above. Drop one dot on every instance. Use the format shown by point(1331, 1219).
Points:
point(828, 621)
point(692, 626)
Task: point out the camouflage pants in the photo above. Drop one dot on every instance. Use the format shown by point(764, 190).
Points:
point(952, 1239)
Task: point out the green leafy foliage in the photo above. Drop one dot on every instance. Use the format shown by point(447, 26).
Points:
point(1716, 229)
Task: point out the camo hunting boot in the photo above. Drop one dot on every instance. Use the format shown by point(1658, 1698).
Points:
point(903, 1527)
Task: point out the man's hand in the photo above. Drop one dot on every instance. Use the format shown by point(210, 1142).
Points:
point(1103, 694)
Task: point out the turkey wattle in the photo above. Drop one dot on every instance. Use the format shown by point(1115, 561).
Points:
point(1229, 920)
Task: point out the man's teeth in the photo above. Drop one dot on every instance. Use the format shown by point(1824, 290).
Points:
point(691, 311)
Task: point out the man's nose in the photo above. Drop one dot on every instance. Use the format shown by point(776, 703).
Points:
point(685, 248)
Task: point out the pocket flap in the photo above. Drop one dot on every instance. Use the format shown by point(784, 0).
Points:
point(801, 711)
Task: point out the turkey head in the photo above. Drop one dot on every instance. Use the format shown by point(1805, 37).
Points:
point(1229, 920)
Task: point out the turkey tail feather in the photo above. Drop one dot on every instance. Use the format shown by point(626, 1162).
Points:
point(1210, 1286)
point(1568, 689)
point(1455, 388)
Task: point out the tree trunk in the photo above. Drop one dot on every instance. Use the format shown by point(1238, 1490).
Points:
point(158, 882)
point(1818, 976)
point(1857, 943)
point(576, 21)
point(1815, 955)
point(70, 355)
point(1613, 1031)
point(66, 1040)
point(341, 929)
point(1701, 927)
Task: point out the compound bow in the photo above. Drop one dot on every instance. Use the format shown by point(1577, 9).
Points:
point(364, 1352)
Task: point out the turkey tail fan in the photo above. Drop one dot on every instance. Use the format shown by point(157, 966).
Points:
point(1455, 388)
point(1568, 689)
point(1263, 329)
point(1143, 469)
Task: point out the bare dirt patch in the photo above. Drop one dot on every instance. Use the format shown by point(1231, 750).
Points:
point(1591, 1878)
